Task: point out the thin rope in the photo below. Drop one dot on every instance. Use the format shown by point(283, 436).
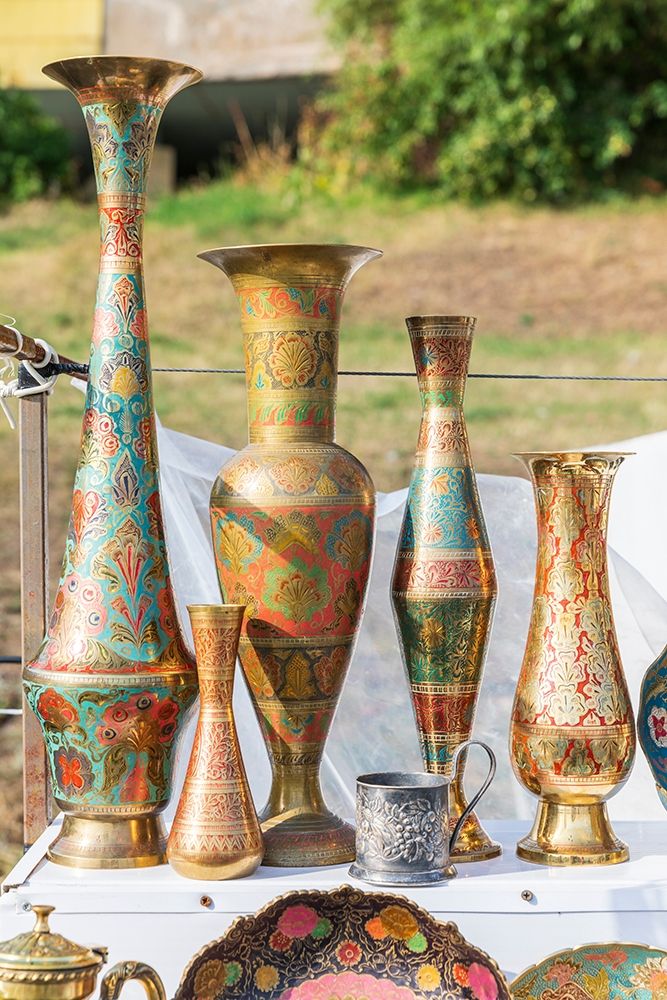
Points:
point(490, 375)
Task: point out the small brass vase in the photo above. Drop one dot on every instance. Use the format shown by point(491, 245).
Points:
point(41, 965)
point(572, 733)
point(215, 833)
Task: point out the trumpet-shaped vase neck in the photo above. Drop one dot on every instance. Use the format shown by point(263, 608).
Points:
point(290, 297)
point(122, 78)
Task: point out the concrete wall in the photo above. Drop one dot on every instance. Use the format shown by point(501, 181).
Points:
point(227, 39)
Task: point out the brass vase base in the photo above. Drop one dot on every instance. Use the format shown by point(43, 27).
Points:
point(110, 842)
point(473, 842)
point(307, 840)
point(572, 835)
point(234, 868)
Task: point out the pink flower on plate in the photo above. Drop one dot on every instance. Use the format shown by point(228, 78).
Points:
point(349, 985)
point(298, 921)
point(482, 982)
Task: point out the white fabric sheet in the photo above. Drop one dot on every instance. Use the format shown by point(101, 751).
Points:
point(374, 727)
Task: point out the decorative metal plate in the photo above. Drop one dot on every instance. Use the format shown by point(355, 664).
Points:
point(344, 943)
point(596, 972)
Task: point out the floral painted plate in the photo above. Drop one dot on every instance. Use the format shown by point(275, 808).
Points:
point(342, 945)
point(596, 972)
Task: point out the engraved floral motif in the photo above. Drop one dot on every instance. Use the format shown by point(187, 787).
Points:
point(293, 359)
point(409, 831)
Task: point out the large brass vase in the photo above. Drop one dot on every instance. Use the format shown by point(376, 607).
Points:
point(444, 584)
point(572, 734)
point(215, 833)
point(112, 681)
point(293, 516)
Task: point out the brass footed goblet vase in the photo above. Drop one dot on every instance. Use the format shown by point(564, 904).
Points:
point(215, 833)
point(572, 733)
point(113, 680)
point(444, 585)
point(292, 516)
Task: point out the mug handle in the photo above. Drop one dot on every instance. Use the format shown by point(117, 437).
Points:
point(115, 979)
point(485, 784)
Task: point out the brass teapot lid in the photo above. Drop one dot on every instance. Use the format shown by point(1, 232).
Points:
point(42, 950)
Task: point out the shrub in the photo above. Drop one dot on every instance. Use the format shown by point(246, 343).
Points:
point(532, 99)
point(34, 149)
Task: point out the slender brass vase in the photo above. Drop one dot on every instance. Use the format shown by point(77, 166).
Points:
point(293, 517)
point(444, 585)
point(572, 734)
point(215, 833)
point(113, 680)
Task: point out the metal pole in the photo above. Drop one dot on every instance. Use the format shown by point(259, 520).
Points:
point(34, 599)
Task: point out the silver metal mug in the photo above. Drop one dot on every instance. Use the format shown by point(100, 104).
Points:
point(402, 832)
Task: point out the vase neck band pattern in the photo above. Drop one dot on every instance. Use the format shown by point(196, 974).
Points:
point(441, 347)
point(291, 357)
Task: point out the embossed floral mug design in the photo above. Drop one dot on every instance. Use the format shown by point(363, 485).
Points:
point(402, 833)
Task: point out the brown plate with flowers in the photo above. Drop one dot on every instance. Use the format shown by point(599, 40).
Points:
point(344, 943)
point(594, 971)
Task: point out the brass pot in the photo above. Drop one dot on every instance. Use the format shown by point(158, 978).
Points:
point(40, 965)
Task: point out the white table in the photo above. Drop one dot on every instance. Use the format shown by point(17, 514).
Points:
point(517, 912)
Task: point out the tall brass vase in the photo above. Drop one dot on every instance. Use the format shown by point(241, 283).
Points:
point(215, 833)
point(444, 584)
point(572, 734)
point(293, 518)
point(112, 681)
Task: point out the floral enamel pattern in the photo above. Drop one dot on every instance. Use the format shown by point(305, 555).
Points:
point(342, 944)
point(444, 585)
point(215, 833)
point(113, 679)
point(572, 736)
point(596, 972)
point(292, 517)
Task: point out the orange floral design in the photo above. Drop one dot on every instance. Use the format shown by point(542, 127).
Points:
point(399, 922)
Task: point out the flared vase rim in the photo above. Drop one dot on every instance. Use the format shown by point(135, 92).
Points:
point(216, 608)
point(441, 319)
point(572, 456)
point(292, 246)
point(339, 261)
point(78, 72)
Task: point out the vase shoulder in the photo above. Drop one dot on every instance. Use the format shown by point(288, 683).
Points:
point(312, 473)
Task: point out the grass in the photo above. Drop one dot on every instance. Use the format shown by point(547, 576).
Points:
point(555, 291)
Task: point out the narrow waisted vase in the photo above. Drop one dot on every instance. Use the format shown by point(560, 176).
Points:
point(293, 517)
point(444, 584)
point(572, 734)
point(215, 833)
point(112, 681)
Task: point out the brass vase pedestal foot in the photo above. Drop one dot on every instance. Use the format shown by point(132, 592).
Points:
point(116, 842)
point(572, 835)
point(298, 829)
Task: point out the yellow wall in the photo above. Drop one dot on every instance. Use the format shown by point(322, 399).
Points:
point(35, 32)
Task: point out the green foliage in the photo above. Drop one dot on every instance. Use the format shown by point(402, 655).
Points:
point(532, 99)
point(34, 150)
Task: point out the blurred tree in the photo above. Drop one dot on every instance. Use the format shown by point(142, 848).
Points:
point(34, 149)
point(532, 99)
